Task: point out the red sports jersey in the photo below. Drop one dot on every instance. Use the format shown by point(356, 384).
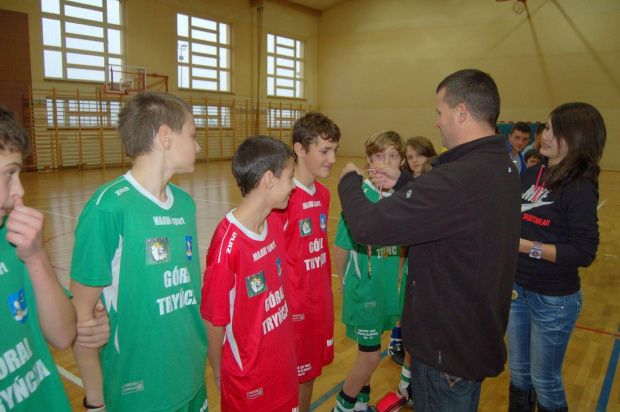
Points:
point(308, 260)
point(246, 290)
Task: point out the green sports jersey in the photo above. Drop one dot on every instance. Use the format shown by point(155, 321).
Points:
point(367, 299)
point(144, 252)
point(29, 380)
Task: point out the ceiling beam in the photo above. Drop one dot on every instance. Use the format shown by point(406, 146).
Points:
point(290, 5)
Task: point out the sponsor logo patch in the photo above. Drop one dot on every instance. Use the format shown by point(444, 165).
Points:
point(323, 222)
point(305, 227)
point(256, 284)
point(157, 250)
point(19, 306)
point(278, 262)
point(188, 247)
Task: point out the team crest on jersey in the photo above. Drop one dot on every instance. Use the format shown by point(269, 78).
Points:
point(256, 284)
point(279, 267)
point(305, 227)
point(188, 247)
point(19, 306)
point(157, 250)
point(323, 222)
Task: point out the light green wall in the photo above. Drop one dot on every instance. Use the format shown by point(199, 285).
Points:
point(380, 62)
point(375, 64)
point(150, 30)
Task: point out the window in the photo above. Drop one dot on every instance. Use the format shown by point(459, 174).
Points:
point(211, 116)
point(81, 38)
point(285, 67)
point(203, 54)
point(85, 113)
point(282, 119)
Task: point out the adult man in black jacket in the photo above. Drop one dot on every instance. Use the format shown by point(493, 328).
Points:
point(461, 222)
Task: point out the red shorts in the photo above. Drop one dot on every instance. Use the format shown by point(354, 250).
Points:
point(328, 341)
point(311, 354)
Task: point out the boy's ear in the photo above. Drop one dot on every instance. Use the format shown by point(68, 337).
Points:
point(299, 149)
point(267, 180)
point(368, 161)
point(164, 134)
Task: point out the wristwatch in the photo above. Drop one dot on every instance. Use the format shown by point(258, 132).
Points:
point(536, 250)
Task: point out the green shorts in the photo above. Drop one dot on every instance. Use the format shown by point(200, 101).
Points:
point(198, 403)
point(370, 334)
point(401, 297)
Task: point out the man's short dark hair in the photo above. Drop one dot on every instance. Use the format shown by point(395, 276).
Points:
point(476, 90)
point(532, 153)
point(139, 121)
point(522, 127)
point(308, 128)
point(254, 157)
point(541, 127)
point(12, 136)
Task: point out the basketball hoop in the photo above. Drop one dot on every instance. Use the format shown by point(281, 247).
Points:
point(121, 79)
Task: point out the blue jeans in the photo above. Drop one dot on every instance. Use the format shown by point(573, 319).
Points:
point(435, 391)
point(538, 332)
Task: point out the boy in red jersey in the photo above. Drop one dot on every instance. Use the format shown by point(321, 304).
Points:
point(315, 140)
point(245, 296)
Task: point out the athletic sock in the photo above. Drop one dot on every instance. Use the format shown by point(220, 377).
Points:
point(344, 402)
point(362, 399)
point(405, 380)
point(395, 333)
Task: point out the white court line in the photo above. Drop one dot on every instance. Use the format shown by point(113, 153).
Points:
point(601, 205)
point(57, 214)
point(334, 276)
point(610, 256)
point(70, 376)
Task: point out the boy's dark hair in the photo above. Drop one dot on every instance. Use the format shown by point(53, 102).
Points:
point(254, 157)
point(12, 136)
point(139, 121)
point(476, 90)
point(522, 127)
point(532, 153)
point(308, 128)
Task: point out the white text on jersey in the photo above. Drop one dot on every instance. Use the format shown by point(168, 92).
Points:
point(308, 205)
point(264, 250)
point(167, 220)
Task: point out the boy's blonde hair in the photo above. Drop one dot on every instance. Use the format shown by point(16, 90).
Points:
point(380, 141)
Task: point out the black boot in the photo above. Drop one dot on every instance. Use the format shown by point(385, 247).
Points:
point(543, 409)
point(522, 400)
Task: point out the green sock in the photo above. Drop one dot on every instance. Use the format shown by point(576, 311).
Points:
point(363, 398)
point(405, 381)
point(344, 403)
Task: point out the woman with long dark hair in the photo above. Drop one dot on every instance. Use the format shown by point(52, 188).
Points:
point(559, 234)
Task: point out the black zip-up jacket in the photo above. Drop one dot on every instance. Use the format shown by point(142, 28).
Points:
point(461, 222)
point(566, 218)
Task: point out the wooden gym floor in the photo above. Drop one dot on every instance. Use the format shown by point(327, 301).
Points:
point(590, 369)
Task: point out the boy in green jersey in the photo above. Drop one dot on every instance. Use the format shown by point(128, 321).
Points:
point(35, 309)
point(369, 279)
point(136, 249)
